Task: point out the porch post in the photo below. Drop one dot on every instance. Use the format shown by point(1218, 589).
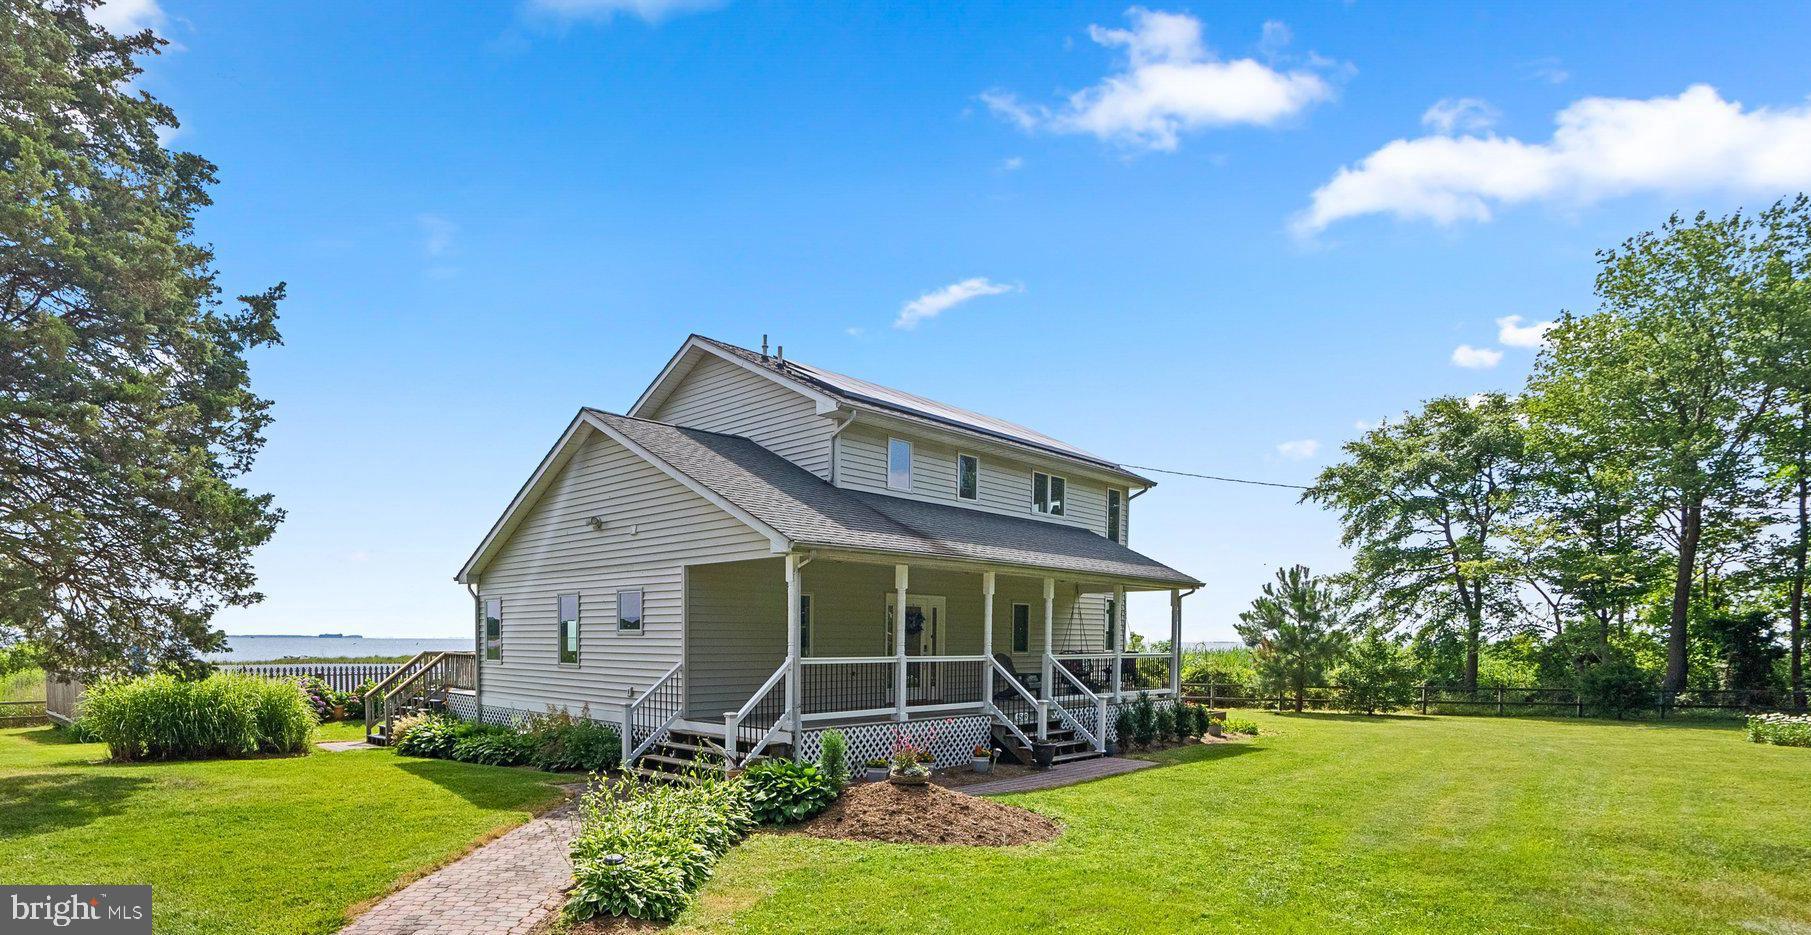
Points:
point(1044, 686)
point(1175, 643)
point(795, 642)
point(987, 640)
point(900, 575)
point(1117, 629)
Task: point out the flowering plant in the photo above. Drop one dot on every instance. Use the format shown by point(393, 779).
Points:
point(1786, 730)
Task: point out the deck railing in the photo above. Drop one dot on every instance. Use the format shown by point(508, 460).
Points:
point(1138, 672)
point(427, 684)
point(758, 722)
point(1077, 706)
point(846, 686)
point(647, 717)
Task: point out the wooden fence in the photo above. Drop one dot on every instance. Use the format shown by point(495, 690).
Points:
point(339, 676)
point(1502, 700)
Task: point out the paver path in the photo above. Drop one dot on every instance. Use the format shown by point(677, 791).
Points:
point(1064, 775)
point(341, 746)
point(506, 887)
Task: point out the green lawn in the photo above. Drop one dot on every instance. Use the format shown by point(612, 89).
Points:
point(1347, 824)
point(274, 845)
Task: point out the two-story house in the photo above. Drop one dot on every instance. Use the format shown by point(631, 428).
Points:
point(762, 549)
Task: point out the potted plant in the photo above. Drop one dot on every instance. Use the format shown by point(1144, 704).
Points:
point(874, 770)
point(1216, 723)
point(909, 763)
point(982, 758)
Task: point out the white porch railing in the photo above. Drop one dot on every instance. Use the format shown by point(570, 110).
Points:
point(1014, 705)
point(1138, 672)
point(1081, 709)
point(646, 719)
point(867, 686)
point(761, 719)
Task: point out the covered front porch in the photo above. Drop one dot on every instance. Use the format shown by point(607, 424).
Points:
point(1035, 651)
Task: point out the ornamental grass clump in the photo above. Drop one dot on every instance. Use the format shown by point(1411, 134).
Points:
point(1784, 730)
point(161, 717)
point(644, 847)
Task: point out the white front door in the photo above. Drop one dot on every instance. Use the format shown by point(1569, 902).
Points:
point(924, 621)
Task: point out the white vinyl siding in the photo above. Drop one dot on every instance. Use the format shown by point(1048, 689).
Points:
point(652, 527)
point(1003, 484)
point(720, 396)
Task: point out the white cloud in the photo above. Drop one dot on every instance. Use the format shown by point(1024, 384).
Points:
point(1547, 69)
point(855, 331)
point(127, 16)
point(1459, 113)
point(1171, 84)
point(436, 234)
point(1366, 425)
point(1602, 148)
point(652, 11)
point(1476, 358)
point(935, 303)
point(1512, 333)
point(1299, 450)
point(1012, 164)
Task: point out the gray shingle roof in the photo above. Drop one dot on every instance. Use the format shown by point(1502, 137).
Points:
point(810, 512)
point(852, 389)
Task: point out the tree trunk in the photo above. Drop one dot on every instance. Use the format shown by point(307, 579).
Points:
point(1798, 585)
point(1474, 627)
point(1691, 519)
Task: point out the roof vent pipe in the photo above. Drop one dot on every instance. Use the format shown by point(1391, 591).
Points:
point(782, 353)
point(763, 347)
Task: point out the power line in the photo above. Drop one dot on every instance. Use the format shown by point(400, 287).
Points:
point(1229, 480)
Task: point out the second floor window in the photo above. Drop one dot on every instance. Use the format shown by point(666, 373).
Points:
point(899, 464)
point(1047, 493)
point(968, 477)
point(1113, 509)
point(493, 629)
point(1112, 624)
point(1021, 628)
point(569, 628)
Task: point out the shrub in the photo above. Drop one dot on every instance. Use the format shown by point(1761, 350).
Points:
point(1166, 722)
point(1125, 727)
point(1239, 725)
point(1376, 674)
point(320, 696)
point(642, 847)
point(1616, 686)
point(491, 745)
point(226, 714)
point(833, 758)
point(1782, 729)
point(1144, 720)
point(431, 736)
point(81, 732)
point(563, 742)
point(781, 792)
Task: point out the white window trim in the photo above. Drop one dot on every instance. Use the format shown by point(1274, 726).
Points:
point(1013, 611)
point(1063, 502)
point(559, 627)
point(911, 456)
point(641, 627)
point(977, 459)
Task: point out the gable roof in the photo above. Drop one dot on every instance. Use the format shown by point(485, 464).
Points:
point(831, 389)
point(811, 512)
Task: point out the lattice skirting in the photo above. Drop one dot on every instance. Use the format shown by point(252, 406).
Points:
point(951, 740)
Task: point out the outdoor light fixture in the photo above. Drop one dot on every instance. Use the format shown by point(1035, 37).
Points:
point(597, 523)
point(613, 860)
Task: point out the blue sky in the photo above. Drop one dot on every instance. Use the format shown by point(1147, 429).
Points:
point(1206, 237)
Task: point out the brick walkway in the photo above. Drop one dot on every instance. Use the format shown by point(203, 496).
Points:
point(1067, 774)
point(506, 887)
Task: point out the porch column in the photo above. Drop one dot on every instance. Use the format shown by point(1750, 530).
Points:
point(795, 642)
point(1175, 643)
point(900, 575)
point(1117, 630)
point(987, 640)
point(1044, 686)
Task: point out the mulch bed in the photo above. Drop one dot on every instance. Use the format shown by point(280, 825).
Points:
point(928, 814)
point(958, 776)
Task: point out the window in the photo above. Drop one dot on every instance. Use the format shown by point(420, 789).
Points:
point(493, 629)
point(569, 628)
point(968, 477)
point(1113, 515)
point(1047, 491)
point(1021, 628)
point(628, 611)
point(805, 624)
point(1112, 623)
point(899, 464)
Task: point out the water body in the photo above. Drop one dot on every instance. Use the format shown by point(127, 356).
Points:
point(261, 648)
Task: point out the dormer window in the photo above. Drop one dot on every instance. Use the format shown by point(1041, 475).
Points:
point(1047, 493)
point(968, 477)
point(1113, 510)
point(899, 464)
